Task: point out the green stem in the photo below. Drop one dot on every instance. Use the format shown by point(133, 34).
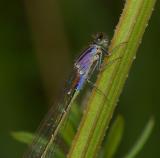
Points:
point(97, 116)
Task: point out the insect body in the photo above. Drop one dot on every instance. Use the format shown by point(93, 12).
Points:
point(85, 65)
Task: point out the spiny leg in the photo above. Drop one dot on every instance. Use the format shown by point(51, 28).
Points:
point(97, 65)
point(94, 86)
point(103, 67)
point(116, 47)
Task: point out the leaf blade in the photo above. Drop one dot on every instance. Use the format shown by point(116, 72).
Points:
point(142, 140)
point(114, 137)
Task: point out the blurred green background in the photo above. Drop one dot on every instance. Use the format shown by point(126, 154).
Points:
point(38, 43)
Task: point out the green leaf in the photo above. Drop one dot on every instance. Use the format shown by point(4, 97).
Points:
point(99, 111)
point(114, 137)
point(142, 140)
point(67, 131)
point(23, 137)
point(69, 127)
point(27, 138)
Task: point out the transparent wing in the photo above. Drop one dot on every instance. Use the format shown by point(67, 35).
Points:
point(48, 125)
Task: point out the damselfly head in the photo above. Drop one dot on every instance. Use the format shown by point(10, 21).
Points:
point(101, 40)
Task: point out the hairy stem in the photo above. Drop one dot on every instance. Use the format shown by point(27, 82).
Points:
point(97, 116)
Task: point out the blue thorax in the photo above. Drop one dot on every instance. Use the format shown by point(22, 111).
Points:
point(84, 64)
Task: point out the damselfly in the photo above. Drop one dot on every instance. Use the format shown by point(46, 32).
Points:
point(85, 65)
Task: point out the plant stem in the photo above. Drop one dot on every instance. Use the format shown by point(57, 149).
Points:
point(97, 116)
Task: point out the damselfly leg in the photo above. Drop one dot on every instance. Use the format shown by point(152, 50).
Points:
point(116, 47)
point(104, 66)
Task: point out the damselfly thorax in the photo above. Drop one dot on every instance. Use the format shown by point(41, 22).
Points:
point(88, 62)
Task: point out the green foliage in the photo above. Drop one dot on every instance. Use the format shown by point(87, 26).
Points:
point(67, 131)
point(24, 137)
point(142, 140)
point(110, 146)
point(114, 138)
point(70, 125)
point(27, 138)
